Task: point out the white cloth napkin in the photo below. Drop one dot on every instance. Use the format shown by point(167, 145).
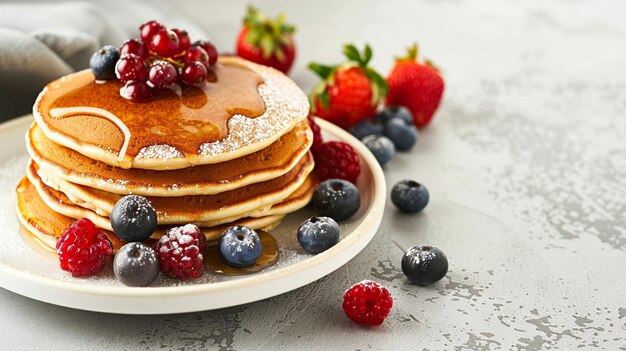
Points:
point(40, 42)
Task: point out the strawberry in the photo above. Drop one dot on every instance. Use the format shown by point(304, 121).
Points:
point(418, 86)
point(349, 92)
point(267, 41)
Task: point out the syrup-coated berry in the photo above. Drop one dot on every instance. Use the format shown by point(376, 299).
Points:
point(136, 91)
point(391, 112)
point(337, 199)
point(136, 264)
point(210, 49)
point(424, 264)
point(194, 73)
point(197, 53)
point(239, 247)
point(184, 43)
point(102, 62)
point(148, 30)
point(318, 234)
point(165, 43)
point(382, 148)
point(403, 135)
point(409, 196)
point(133, 218)
point(367, 303)
point(134, 46)
point(367, 127)
point(83, 249)
point(162, 74)
point(131, 67)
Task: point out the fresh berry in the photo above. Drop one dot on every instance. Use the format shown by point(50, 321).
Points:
point(391, 112)
point(184, 43)
point(133, 218)
point(162, 74)
point(194, 73)
point(424, 264)
point(418, 86)
point(349, 92)
point(134, 46)
point(317, 134)
point(403, 135)
point(409, 196)
point(165, 43)
point(148, 30)
point(83, 249)
point(181, 252)
point(210, 49)
point(367, 127)
point(337, 199)
point(136, 91)
point(197, 53)
point(131, 67)
point(367, 303)
point(102, 62)
point(267, 41)
point(382, 148)
point(336, 159)
point(239, 247)
point(318, 234)
point(136, 264)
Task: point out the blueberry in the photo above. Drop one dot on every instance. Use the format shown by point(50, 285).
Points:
point(424, 264)
point(367, 127)
point(403, 135)
point(239, 247)
point(382, 148)
point(409, 196)
point(133, 218)
point(391, 112)
point(337, 199)
point(318, 234)
point(136, 264)
point(102, 62)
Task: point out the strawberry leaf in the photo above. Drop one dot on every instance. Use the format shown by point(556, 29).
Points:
point(322, 71)
point(352, 53)
point(267, 46)
point(368, 55)
point(324, 99)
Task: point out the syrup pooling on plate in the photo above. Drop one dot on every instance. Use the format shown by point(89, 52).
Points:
point(186, 118)
point(269, 256)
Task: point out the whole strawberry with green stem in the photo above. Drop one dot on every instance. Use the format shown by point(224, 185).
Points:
point(416, 85)
point(349, 92)
point(267, 41)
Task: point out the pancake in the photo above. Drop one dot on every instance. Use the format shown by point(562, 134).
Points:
point(269, 163)
point(192, 208)
point(244, 108)
point(47, 225)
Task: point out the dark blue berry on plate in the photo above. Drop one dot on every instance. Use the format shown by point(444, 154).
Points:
point(403, 135)
point(424, 264)
point(409, 196)
point(133, 218)
point(102, 62)
point(318, 234)
point(239, 247)
point(136, 264)
point(367, 127)
point(391, 112)
point(382, 148)
point(337, 199)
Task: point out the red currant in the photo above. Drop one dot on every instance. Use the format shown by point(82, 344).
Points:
point(183, 40)
point(136, 91)
point(165, 43)
point(131, 67)
point(162, 74)
point(194, 73)
point(134, 46)
point(210, 49)
point(148, 30)
point(197, 53)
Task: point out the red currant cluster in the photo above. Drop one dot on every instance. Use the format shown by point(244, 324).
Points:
point(161, 59)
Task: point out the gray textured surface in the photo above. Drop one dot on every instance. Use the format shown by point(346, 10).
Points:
point(525, 164)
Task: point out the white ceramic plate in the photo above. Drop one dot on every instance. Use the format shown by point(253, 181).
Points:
point(28, 270)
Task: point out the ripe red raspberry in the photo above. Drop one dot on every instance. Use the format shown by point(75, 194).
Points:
point(181, 252)
point(336, 159)
point(317, 134)
point(83, 249)
point(367, 302)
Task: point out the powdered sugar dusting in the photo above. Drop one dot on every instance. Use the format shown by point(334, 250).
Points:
point(160, 151)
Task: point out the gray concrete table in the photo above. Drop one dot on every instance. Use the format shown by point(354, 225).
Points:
point(525, 163)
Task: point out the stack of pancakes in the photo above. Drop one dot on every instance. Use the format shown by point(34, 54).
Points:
point(233, 152)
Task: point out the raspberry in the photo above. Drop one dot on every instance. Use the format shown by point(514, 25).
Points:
point(317, 134)
point(367, 302)
point(84, 249)
point(336, 159)
point(181, 252)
